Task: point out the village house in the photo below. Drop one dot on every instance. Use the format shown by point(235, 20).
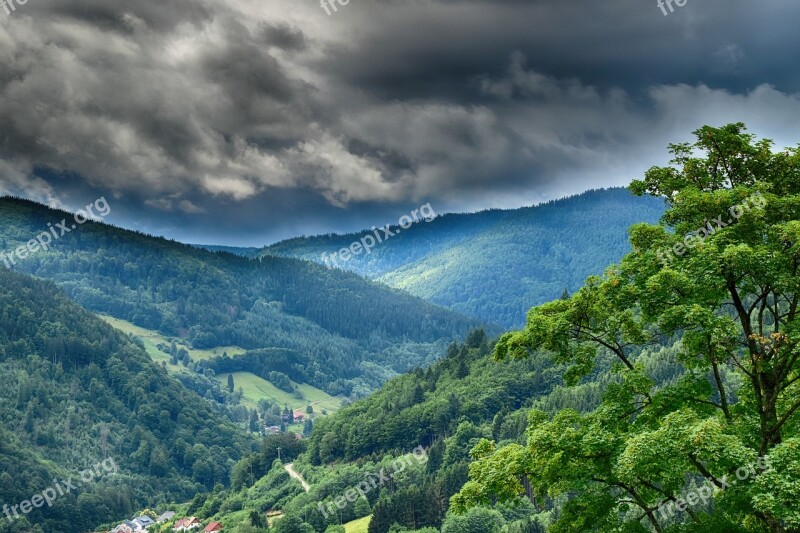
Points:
point(142, 523)
point(165, 517)
point(213, 526)
point(125, 527)
point(187, 524)
point(136, 525)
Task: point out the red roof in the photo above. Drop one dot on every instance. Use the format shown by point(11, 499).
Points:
point(213, 526)
point(184, 522)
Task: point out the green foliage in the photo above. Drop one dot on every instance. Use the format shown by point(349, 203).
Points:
point(461, 412)
point(423, 407)
point(328, 325)
point(495, 264)
point(728, 295)
point(476, 520)
point(76, 392)
point(291, 524)
point(280, 380)
point(412, 507)
point(362, 508)
point(256, 465)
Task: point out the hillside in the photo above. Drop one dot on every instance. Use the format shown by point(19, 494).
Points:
point(76, 394)
point(495, 265)
point(446, 409)
point(337, 331)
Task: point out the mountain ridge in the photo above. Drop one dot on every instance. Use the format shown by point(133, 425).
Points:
point(474, 263)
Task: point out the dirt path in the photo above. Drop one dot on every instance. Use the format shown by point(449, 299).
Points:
point(290, 469)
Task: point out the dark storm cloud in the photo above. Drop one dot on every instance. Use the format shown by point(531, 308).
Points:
point(257, 120)
point(283, 36)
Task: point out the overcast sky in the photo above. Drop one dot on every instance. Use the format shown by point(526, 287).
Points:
point(243, 122)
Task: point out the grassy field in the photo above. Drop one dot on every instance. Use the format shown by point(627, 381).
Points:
point(152, 339)
point(358, 526)
point(256, 388)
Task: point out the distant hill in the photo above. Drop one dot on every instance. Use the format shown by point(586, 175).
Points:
point(331, 329)
point(495, 265)
point(76, 393)
point(235, 250)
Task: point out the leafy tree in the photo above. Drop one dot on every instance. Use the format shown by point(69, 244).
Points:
point(497, 423)
point(720, 276)
point(258, 520)
point(256, 465)
point(291, 524)
point(362, 508)
point(462, 370)
point(411, 507)
point(253, 424)
point(477, 520)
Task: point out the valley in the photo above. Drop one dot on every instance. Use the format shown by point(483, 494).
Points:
point(231, 396)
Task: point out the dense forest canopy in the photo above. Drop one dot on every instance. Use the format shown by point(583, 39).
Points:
point(75, 392)
point(496, 264)
point(335, 325)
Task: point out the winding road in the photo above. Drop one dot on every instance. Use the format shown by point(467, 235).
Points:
point(290, 469)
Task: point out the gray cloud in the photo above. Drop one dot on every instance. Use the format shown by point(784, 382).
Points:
point(206, 119)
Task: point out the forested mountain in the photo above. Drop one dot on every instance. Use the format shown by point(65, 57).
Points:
point(348, 334)
point(77, 393)
point(495, 265)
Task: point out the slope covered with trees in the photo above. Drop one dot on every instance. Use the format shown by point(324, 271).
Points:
point(447, 410)
point(495, 265)
point(349, 334)
point(76, 392)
